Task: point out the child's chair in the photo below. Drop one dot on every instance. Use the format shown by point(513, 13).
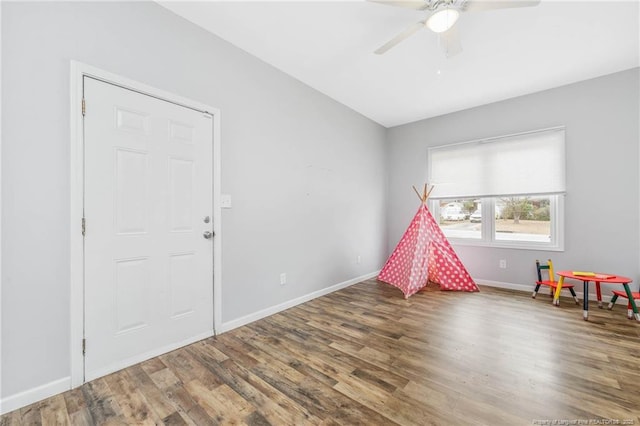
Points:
point(551, 281)
point(618, 293)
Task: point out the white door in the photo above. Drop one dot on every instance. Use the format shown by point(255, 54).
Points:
point(147, 204)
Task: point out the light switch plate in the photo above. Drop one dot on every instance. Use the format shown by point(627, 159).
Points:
point(225, 201)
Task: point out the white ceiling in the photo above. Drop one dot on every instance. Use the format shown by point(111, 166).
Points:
point(509, 52)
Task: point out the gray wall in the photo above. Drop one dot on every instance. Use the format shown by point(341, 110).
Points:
point(307, 175)
point(601, 206)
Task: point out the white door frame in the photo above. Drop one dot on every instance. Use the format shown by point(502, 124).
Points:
point(1, 411)
point(78, 72)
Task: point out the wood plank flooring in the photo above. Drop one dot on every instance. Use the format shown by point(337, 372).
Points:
point(366, 356)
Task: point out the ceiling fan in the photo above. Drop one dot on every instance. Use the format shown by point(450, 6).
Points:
point(442, 16)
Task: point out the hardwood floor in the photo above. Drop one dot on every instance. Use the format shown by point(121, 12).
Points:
point(364, 355)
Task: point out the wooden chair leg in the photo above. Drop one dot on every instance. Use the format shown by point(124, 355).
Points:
point(575, 296)
point(612, 301)
point(629, 310)
point(535, 292)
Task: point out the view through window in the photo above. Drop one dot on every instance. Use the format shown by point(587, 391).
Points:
point(455, 218)
point(514, 219)
point(523, 219)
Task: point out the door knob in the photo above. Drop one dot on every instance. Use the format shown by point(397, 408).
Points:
point(207, 235)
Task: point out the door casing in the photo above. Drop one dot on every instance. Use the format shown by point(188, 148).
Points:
point(78, 71)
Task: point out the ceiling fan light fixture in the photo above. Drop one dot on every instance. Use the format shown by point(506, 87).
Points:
point(442, 20)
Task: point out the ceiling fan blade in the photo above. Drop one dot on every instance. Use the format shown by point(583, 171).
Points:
point(450, 42)
point(481, 5)
point(408, 32)
point(408, 4)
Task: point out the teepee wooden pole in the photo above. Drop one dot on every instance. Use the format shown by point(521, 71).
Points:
point(426, 191)
point(417, 193)
point(429, 193)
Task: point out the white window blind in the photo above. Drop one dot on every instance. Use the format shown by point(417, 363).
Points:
point(522, 164)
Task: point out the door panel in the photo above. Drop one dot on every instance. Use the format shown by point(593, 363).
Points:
point(182, 284)
point(132, 284)
point(148, 187)
point(181, 176)
point(131, 192)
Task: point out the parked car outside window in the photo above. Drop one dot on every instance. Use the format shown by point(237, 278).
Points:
point(453, 212)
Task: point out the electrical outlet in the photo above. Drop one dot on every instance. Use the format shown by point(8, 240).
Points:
point(283, 278)
point(503, 263)
point(358, 260)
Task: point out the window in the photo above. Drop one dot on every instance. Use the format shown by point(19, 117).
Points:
point(505, 191)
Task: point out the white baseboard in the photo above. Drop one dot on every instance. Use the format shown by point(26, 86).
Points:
point(528, 288)
point(500, 284)
point(230, 325)
point(92, 375)
point(39, 393)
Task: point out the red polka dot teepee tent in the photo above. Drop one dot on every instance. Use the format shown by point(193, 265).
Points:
point(425, 255)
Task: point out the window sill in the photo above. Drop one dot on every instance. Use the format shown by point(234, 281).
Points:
point(506, 244)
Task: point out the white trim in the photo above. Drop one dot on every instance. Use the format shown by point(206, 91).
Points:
point(78, 71)
point(509, 286)
point(1, 207)
point(217, 224)
point(36, 394)
point(522, 246)
point(145, 356)
point(493, 138)
point(230, 325)
point(528, 288)
point(76, 241)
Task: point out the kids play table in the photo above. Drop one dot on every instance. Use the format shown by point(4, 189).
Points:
point(596, 278)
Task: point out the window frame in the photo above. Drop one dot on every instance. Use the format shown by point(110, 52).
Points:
point(464, 185)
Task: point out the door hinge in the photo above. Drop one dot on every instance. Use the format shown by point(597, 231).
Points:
point(84, 226)
point(84, 107)
point(84, 346)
